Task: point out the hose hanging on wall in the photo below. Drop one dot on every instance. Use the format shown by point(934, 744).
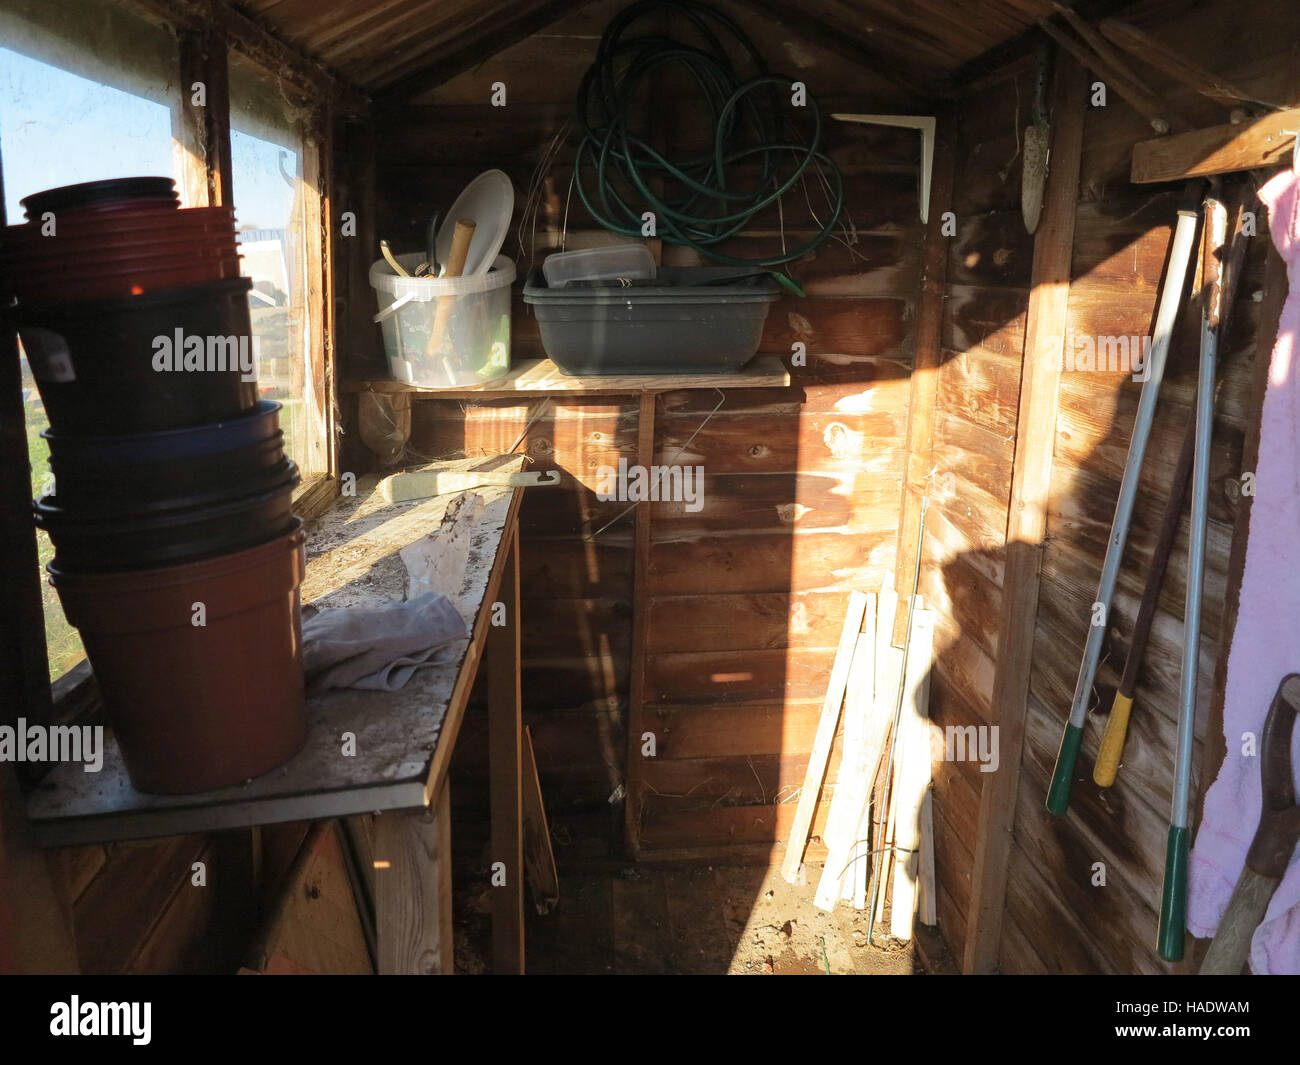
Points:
point(755, 156)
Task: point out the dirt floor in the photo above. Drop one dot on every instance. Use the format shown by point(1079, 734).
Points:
point(676, 919)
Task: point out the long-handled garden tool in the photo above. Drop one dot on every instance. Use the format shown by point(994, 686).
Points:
point(1275, 838)
point(1173, 898)
point(1112, 740)
point(1058, 796)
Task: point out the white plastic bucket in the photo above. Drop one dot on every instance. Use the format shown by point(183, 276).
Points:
point(474, 312)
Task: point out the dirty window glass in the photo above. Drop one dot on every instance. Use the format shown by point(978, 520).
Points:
point(266, 153)
point(86, 92)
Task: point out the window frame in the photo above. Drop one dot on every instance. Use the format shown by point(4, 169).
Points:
point(207, 32)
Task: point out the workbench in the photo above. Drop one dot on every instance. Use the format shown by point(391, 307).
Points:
point(395, 779)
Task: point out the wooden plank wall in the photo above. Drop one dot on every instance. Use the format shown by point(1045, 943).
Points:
point(1057, 918)
point(976, 406)
point(801, 490)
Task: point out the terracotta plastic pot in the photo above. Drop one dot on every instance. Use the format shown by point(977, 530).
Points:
point(94, 361)
point(105, 194)
point(78, 237)
point(150, 221)
point(198, 707)
point(120, 263)
point(84, 255)
point(126, 281)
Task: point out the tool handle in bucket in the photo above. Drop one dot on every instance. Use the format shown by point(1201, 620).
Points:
point(461, 239)
point(393, 307)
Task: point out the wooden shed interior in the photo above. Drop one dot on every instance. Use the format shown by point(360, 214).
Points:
point(678, 665)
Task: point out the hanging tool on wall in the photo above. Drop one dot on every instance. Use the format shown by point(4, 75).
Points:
point(1112, 740)
point(1058, 796)
point(1173, 898)
point(1038, 140)
point(1274, 842)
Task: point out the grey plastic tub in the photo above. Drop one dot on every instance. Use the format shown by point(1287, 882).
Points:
point(674, 325)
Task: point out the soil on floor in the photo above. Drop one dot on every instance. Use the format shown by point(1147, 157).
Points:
point(676, 919)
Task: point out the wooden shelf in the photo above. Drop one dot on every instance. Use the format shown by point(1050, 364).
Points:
point(404, 738)
point(542, 376)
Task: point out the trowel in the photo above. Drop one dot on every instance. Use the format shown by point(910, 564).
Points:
point(1038, 139)
point(422, 484)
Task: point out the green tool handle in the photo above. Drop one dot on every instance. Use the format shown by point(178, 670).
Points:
point(1058, 796)
point(1173, 899)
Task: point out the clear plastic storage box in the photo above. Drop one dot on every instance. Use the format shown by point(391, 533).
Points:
point(446, 332)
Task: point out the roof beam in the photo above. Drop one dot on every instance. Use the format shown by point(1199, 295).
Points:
point(473, 46)
point(1263, 142)
point(1009, 51)
point(852, 48)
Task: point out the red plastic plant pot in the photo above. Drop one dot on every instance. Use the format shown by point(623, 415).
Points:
point(198, 707)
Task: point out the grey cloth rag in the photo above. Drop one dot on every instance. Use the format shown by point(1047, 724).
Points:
point(377, 648)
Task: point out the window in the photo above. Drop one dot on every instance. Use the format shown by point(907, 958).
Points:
point(86, 92)
point(267, 157)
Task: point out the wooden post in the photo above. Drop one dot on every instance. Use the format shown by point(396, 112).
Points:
point(1027, 514)
point(25, 682)
point(505, 725)
point(319, 305)
point(411, 880)
point(645, 451)
point(925, 368)
point(203, 135)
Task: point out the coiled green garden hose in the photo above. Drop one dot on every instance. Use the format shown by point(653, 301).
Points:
point(699, 200)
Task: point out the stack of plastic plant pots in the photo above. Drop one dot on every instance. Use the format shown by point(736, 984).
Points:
point(177, 553)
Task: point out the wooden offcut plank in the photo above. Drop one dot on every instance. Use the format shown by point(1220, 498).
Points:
point(821, 752)
point(853, 781)
point(539, 857)
point(927, 911)
point(1027, 515)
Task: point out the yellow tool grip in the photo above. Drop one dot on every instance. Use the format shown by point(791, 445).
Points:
point(1112, 742)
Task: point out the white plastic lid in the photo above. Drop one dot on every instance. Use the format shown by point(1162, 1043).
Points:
point(599, 264)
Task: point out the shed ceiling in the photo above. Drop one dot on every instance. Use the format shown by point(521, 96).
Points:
point(397, 48)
